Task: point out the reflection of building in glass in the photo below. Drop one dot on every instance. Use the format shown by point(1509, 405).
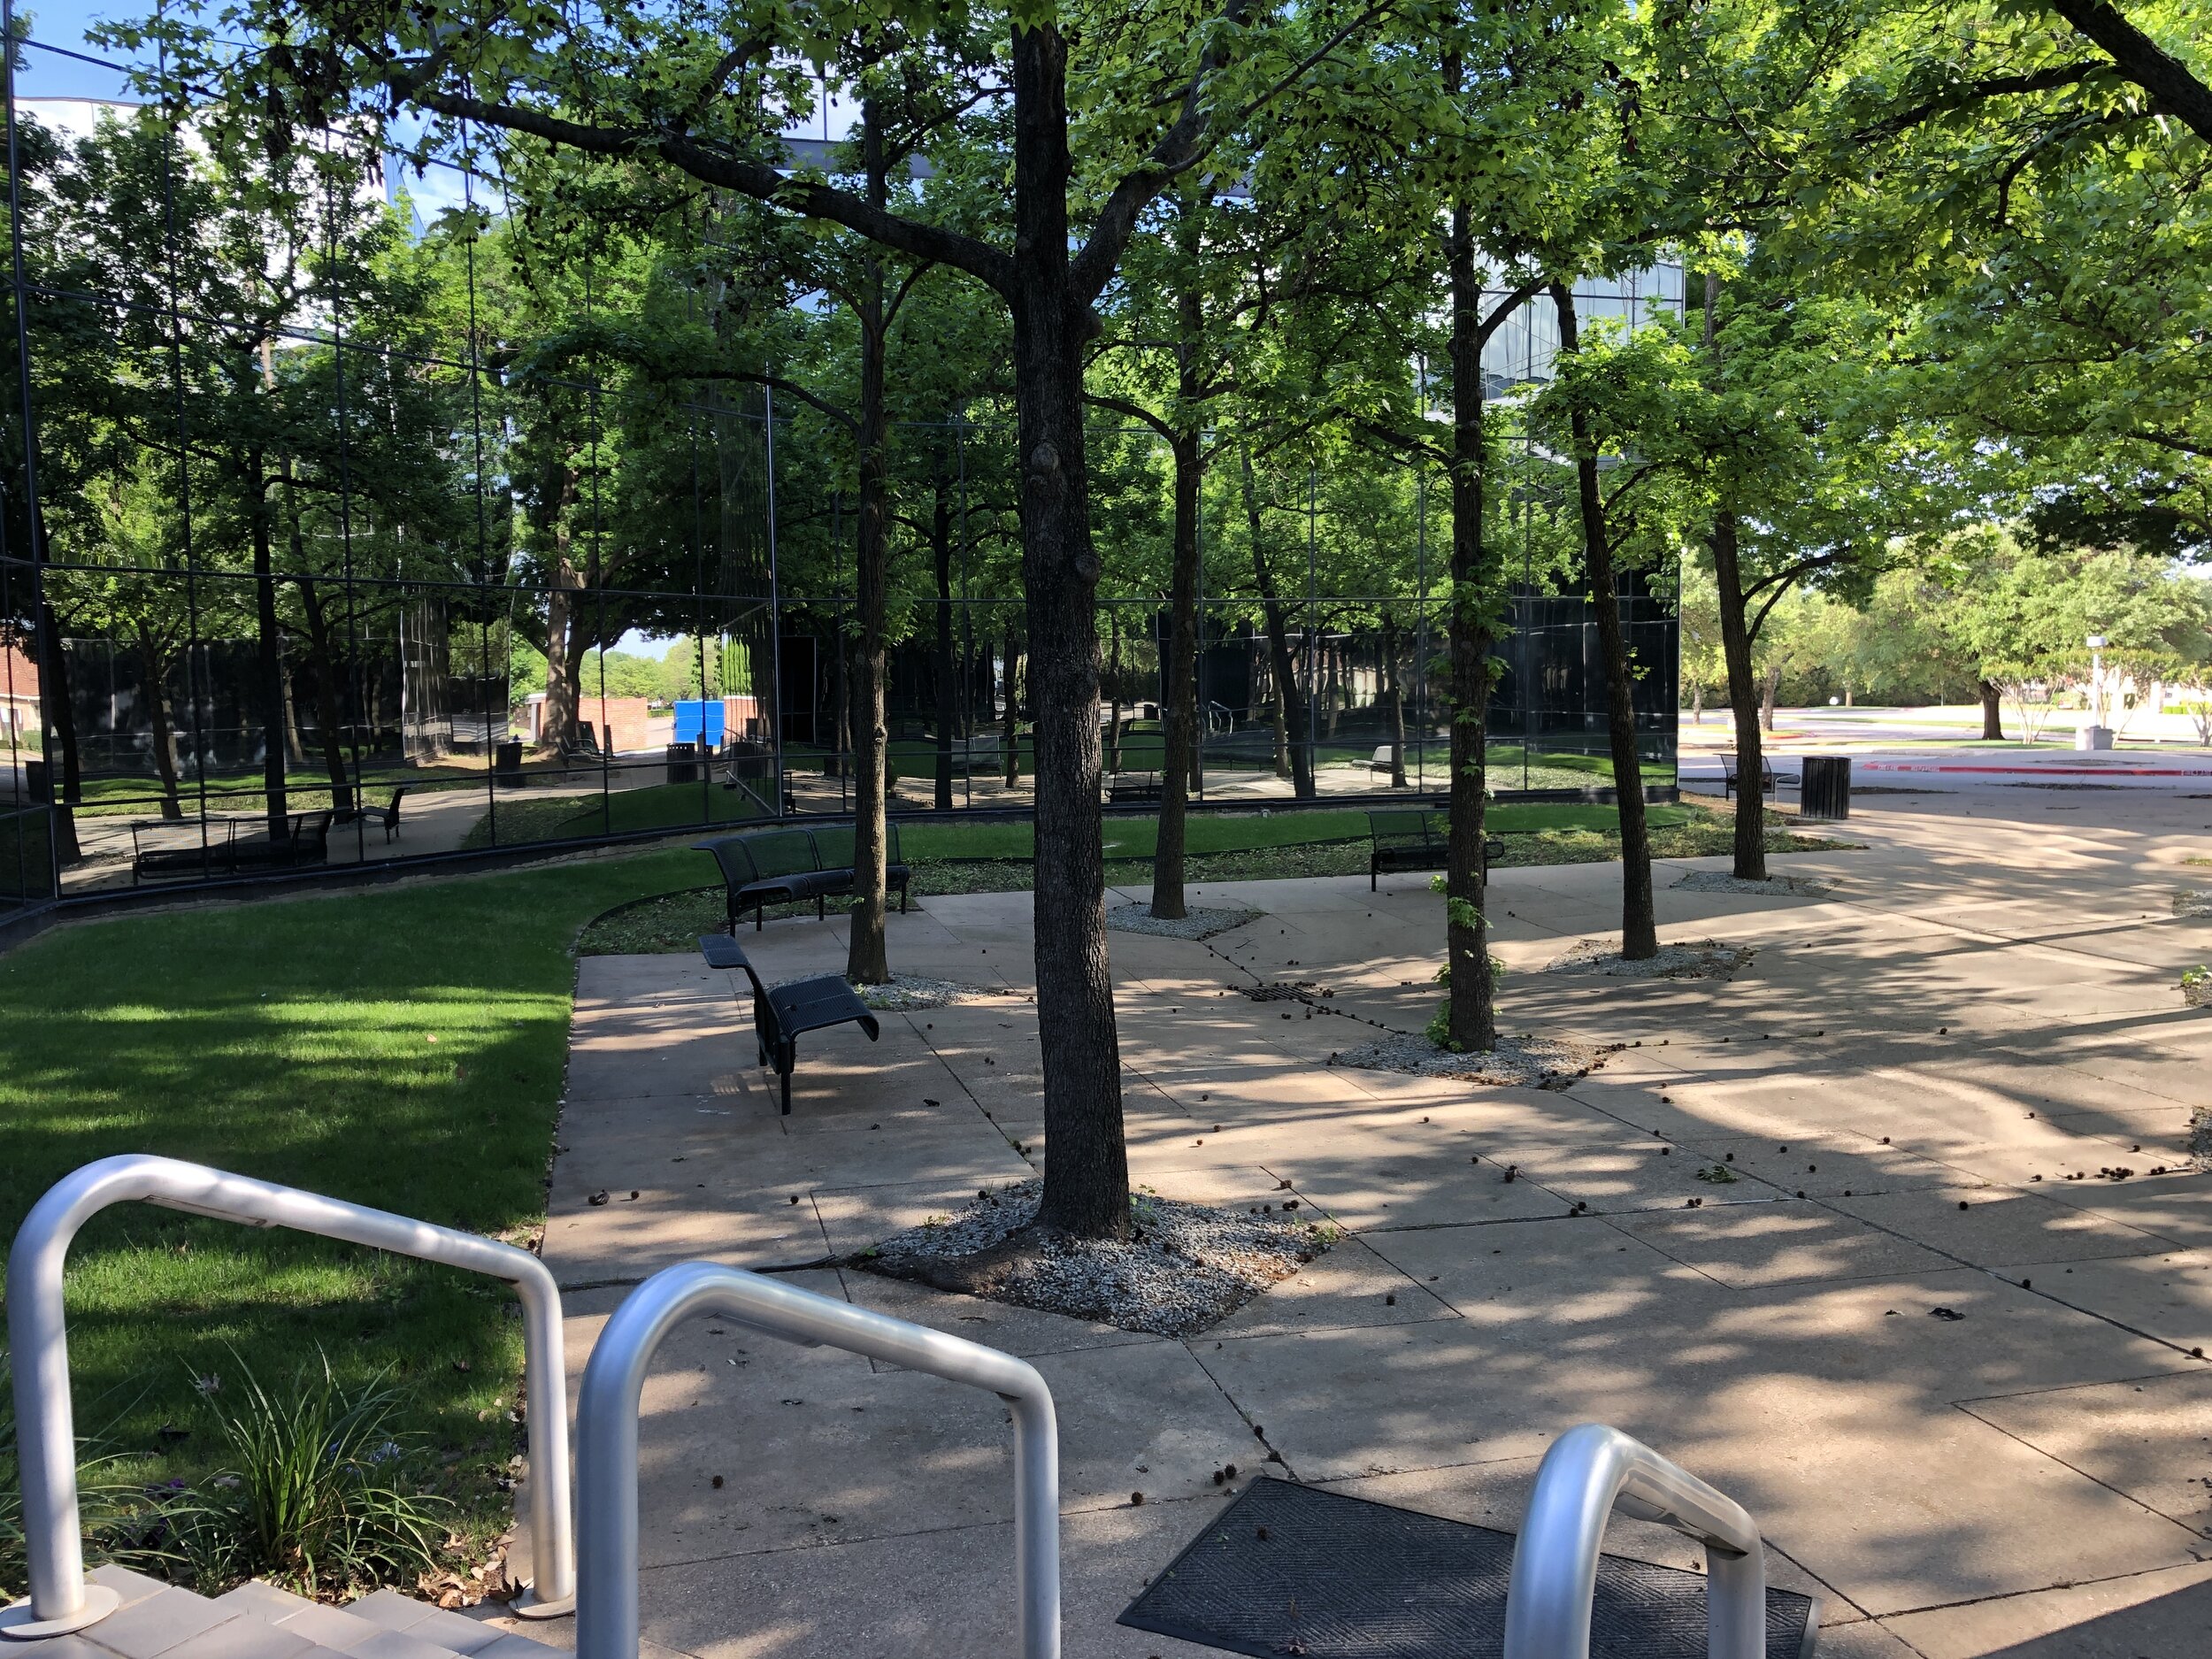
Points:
point(514, 598)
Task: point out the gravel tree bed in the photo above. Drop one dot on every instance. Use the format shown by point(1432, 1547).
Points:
point(1183, 1268)
point(1545, 1062)
point(1721, 881)
point(1138, 919)
point(1692, 959)
point(915, 990)
point(2192, 902)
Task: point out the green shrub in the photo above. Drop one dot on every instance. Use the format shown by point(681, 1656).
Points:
point(315, 1498)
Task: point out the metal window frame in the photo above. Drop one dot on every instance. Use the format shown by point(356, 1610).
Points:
point(1590, 1472)
point(60, 1599)
point(607, 1433)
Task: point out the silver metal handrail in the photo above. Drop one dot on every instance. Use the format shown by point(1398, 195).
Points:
point(607, 1430)
point(1590, 1472)
point(46, 1433)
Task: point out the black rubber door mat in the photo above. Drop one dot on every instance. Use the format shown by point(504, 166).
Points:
point(1286, 1569)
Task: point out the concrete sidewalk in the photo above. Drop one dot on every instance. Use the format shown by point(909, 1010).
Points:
point(1988, 995)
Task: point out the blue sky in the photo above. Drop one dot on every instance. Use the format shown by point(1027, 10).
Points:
point(43, 74)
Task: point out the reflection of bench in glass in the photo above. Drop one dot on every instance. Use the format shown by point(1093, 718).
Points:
point(1416, 841)
point(385, 817)
point(225, 852)
point(765, 867)
point(782, 1013)
point(979, 753)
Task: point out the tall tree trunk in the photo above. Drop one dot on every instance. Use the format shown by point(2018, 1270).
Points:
point(948, 671)
point(294, 750)
point(1743, 701)
point(1012, 731)
point(1087, 1171)
point(1639, 930)
point(1291, 733)
point(153, 686)
point(268, 650)
point(1992, 711)
point(59, 716)
point(867, 961)
point(1471, 1014)
point(561, 633)
point(1394, 697)
point(322, 658)
point(1697, 702)
point(1766, 701)
point(1178, 673)
point(1113, 678)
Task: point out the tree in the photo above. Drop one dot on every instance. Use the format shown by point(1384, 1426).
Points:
point(704, 103)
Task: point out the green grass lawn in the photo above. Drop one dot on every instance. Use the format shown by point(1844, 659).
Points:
point(403, 1049)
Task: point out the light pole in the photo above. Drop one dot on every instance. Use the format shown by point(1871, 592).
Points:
point(2097, 734)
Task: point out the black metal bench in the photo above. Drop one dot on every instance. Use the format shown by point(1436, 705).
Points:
point(306, 840)
point(788, 866)
point(385, 817)
point(1125, 788)
point(1769, 782)
point(782, 1013)
point(1413, 840)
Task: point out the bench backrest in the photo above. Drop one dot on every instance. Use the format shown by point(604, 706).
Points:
point(311, 829)
point(722, 951)
point(833, 846)
point(781, 852)
point(1406, 824)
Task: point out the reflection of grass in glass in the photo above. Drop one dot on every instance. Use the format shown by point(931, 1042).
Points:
point(239, 794)
point(402, 1048)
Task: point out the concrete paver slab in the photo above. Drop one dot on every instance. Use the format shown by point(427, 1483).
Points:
point(2150, 1439)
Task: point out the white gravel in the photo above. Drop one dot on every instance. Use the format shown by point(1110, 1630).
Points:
point(1546, 1062)
point(1138, 918)
point(913, 990)
point(1183, 1268)
point(1692, 959)
point(2192, 902)
point(1776, 886)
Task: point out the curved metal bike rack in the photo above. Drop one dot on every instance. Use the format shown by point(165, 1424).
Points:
point(1590, 1472)
point(60, 1599)
point(607, 1426)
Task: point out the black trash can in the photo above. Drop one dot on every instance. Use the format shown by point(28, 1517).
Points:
point(683, 762)
point(507, 764)
point(36, 783)
point(1827, 787)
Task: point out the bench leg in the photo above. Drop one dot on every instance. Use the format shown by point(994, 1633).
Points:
point(902, 898)
point(760, 913)
point(786, 1063)
point(819, 912)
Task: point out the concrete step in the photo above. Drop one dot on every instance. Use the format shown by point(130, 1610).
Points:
point(259, 1621)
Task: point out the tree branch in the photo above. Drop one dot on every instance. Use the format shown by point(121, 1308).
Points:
point(2168, 81)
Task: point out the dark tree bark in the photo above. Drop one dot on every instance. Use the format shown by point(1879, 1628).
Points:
point(1178, 673)
point(268, 650)
point(1735, 649)
point(1471, 1012)
point(1010, 729)
point(1992, 711)
point(322, 673)
point(867, 960)
point(948, 672)
point(60, 717)
point(1395, 701)
point(1766, 701)
point(1639, 930)
point(2142, 60)
point(1087, 1176)
point(153, 686)
point(1290, 728)
point(1743, 702)
point(1113, 677)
